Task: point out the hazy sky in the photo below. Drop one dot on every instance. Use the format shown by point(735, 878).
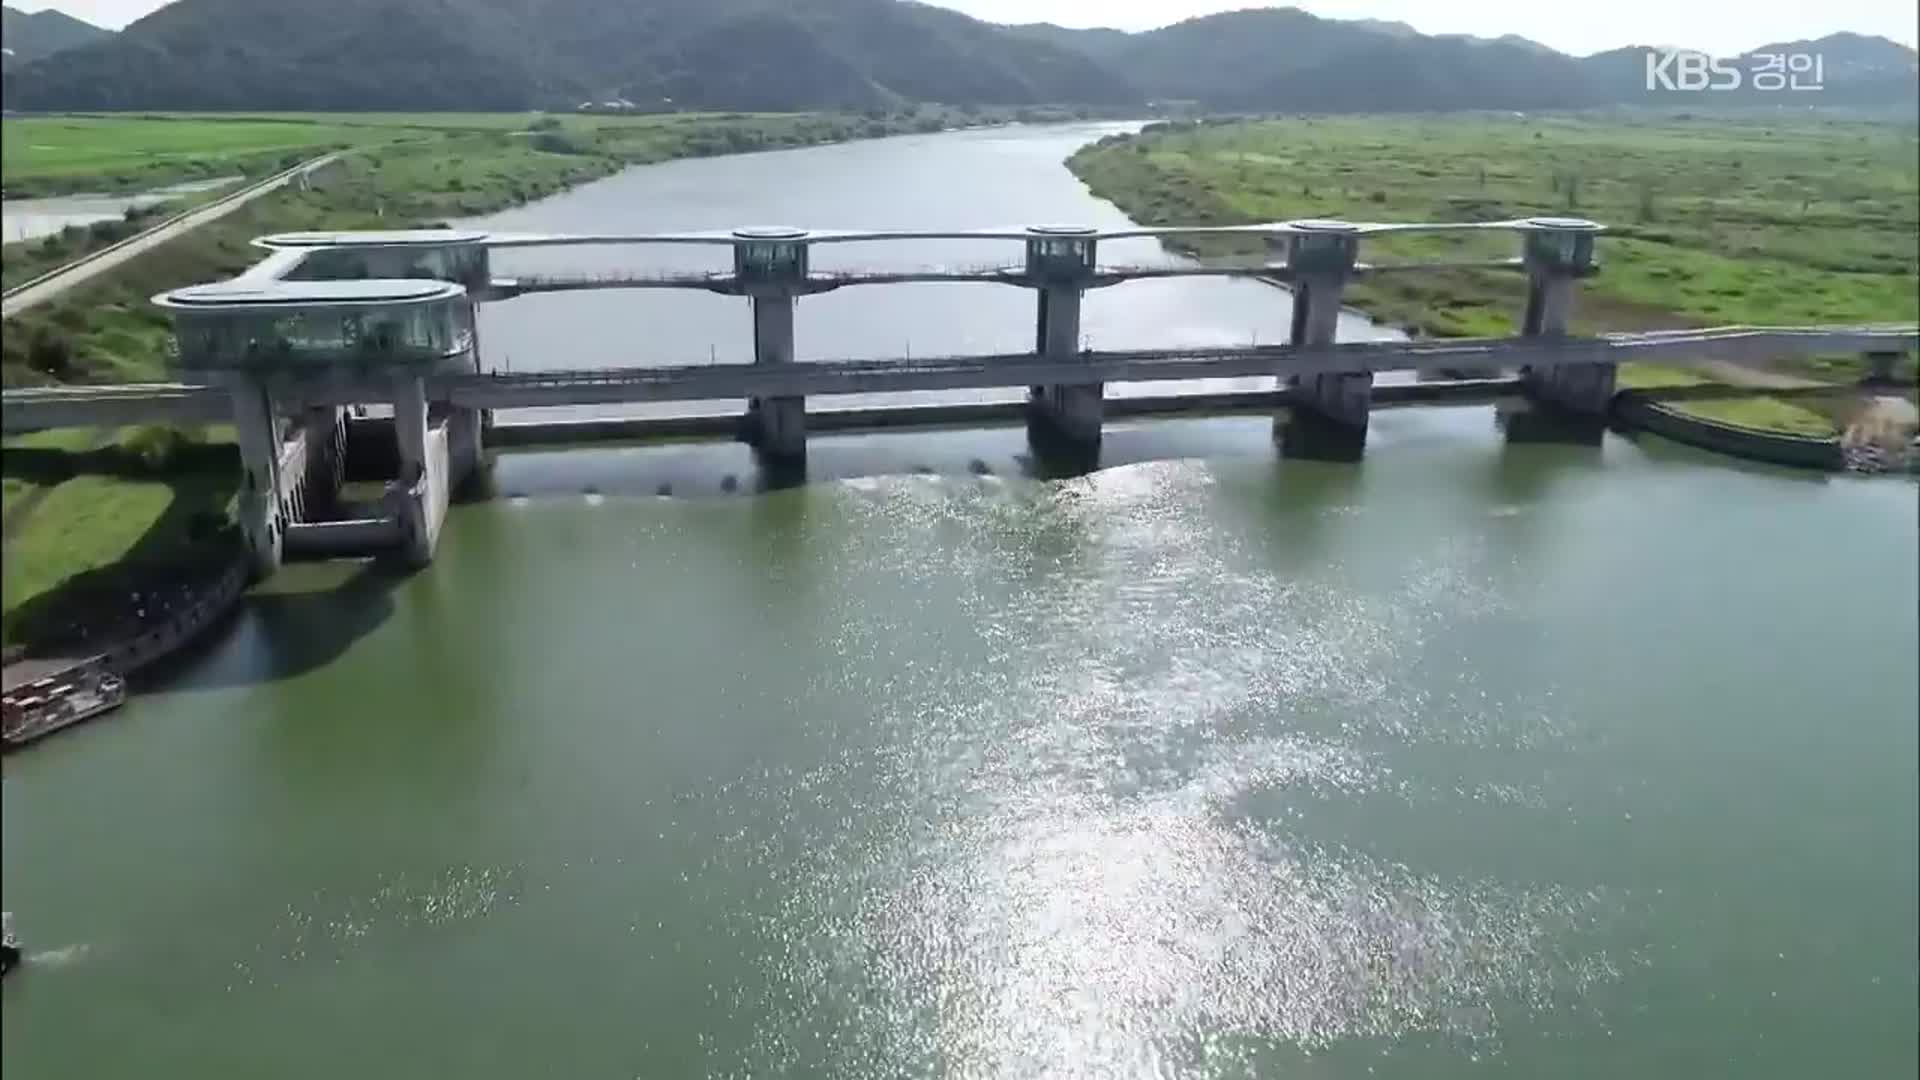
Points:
point(1721, 26)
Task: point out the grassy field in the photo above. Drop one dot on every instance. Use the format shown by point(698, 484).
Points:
point(50, 155)
point(1776, 220)
point(1762, 220)
point(59, 154)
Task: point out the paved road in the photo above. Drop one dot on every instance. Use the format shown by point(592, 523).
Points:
point(85, 269)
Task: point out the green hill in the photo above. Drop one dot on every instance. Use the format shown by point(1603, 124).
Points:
point(511, 55)
point(29, 37)
point(518, 54)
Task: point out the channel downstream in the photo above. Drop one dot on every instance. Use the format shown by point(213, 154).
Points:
point(1477, 755)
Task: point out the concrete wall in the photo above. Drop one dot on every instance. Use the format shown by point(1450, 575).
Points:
point(417, 501)
point(213, 604)
point(295, 457)
point(440, 481)
point(1635, 411)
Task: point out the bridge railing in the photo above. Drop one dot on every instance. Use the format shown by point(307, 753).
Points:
point(1059, 256)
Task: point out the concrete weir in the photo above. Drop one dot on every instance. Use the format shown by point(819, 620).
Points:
point(279, 347)
point(1557, 256)
point(332, 324)
point(1330, 416)
point(771, 264)
point(290, 501)
point(1065, 416)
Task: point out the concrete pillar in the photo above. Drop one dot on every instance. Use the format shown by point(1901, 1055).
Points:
point(778, 425)
point(1070, 411)
point(408, 506)
point(411, 493)
point(259, 501)
point(1558, 252)
point(1060, 261)
point(410, 425)
point(1320, 257)
point(1035, 393)
point(1328, 412)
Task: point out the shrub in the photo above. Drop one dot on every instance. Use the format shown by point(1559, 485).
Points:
point(51, 354)
point(205, 525)
point(155, 446)
point(556, 142)
point(107, 232)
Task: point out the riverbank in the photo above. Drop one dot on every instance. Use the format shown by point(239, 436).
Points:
point(92, 518)
point(94, 231)
point(1712, 222)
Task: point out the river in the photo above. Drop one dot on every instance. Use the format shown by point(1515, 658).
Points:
point(28, 219)
point(1474, 757)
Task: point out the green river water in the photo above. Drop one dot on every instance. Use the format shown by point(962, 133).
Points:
point(1471, 759)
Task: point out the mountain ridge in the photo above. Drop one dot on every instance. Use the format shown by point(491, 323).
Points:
point(841, 54)
point(27, 37)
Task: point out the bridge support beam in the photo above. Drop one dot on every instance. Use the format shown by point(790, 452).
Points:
point(1558, 253)
point(776, 425)
point(1069, 413)
point(260, 501)
point(1329, 412)
point(411, 498)
point(410, 423)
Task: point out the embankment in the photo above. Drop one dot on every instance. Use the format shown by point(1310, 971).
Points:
point(1640, 412)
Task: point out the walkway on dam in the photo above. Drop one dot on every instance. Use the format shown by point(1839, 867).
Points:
point(1729, 348)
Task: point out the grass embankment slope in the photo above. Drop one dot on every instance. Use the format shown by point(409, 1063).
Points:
point(1774, 219)
point(90, 515)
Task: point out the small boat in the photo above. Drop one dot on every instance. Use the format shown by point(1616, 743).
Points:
point(46, 705)
point(9, 946)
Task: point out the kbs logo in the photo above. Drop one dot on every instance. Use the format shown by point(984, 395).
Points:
point(1671, 69)
point(1676, 69)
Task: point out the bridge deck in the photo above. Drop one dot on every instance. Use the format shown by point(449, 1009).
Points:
point(35, 408)
point(725, 281)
